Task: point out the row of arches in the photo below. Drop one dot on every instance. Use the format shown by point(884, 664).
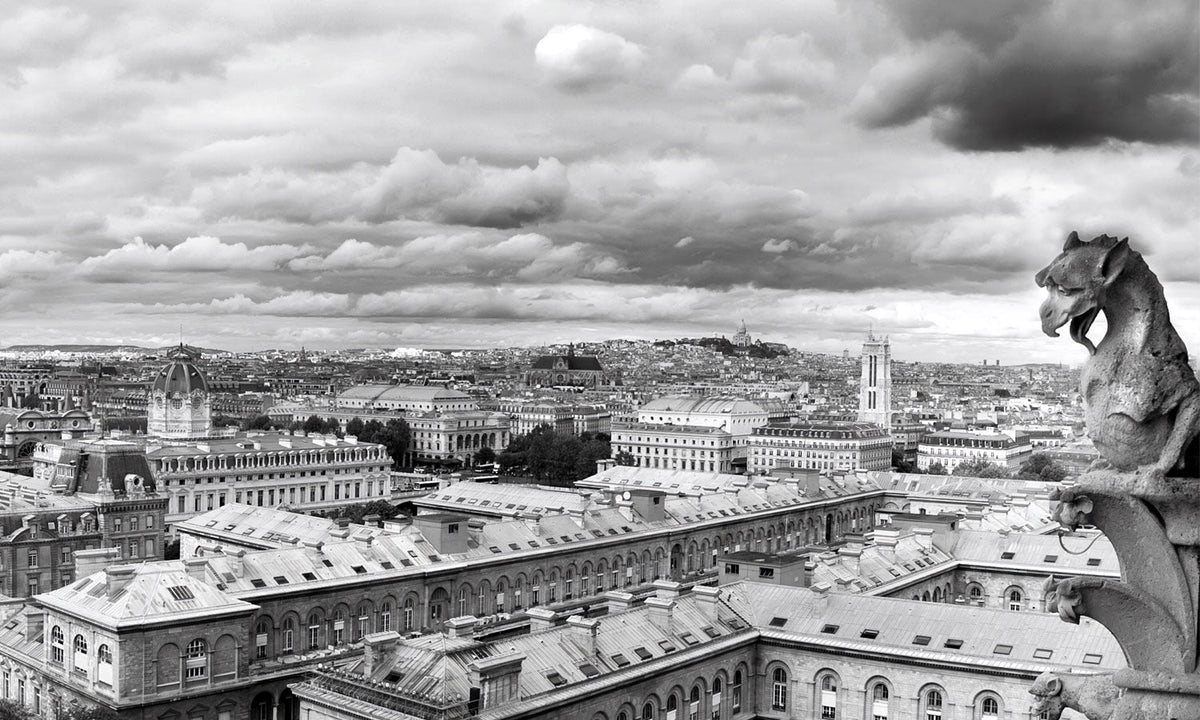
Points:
point(883, 701)
point(294, 458)
point(723, 694)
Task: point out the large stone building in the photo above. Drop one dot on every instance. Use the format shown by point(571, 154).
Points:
point(104, 498)
point(951, 448)
point(180, 406)
point(691, 433)
point(403, 399)
point(830, 445)
point(566, 371)
point(739, 651)
point(24, 430)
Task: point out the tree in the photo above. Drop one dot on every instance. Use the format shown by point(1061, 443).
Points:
point(323, 426)
point(90, 713)
point(1042, 467)
point(981, 468)
point(394, 436)
point(935, 469)
point(900, 464)
point(625, 458)
point(485, 455)
point(355, 427)
point(258, 422)
point(10, 710)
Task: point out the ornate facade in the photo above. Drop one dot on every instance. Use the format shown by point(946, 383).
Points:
point(180, 406)
point(875, 383)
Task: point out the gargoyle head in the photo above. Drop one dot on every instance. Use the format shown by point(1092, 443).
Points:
point(1046, 691)
point(1077, 281)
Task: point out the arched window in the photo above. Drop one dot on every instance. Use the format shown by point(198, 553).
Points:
point(80, 660)
point(828, 698)
point(989, 709)
point(694, 704)
point(975, 593)
point(672, 707)
point(1014, 599)
point(925, 596)
point(289, 631)
point(933, 705)
point(104, 668)
point(879, 702)
point(715, 712)
point(314, 631)
point(735, 693)
point(409, 612)
point(779, 689)
point(364, 621)
point(648, 711)
point(385, 616)
point(196, 664)
point(260, 638)
point(56, 644)
point(339, 626)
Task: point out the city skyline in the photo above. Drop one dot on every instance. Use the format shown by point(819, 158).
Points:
point(496, 174)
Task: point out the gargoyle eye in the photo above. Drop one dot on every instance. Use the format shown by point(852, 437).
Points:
point(1067, 291)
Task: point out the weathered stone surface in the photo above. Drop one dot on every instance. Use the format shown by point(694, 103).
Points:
point(1142, 399)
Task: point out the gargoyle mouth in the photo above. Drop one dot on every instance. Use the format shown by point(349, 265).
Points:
point(1080, 324)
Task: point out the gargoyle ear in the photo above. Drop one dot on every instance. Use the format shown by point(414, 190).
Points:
point(1073, 241)
point(1054, 685)
point(1114, 261)
point(1040, 278)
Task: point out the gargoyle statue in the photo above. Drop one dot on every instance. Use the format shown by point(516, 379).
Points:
point(1141, 398)
point(1093, 695)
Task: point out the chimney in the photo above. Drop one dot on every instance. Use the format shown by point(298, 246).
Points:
point(237, 562)
point(810, 568)
point(534, 523)
point(376, 648)
point(660, 613)
point(540, 619)
point(475, 529)
point(372, 519)
point(462, 626)
point(196, 568)
point(886, 541)
point(924, 537)
point(585, 629)
point(821, 589)
point(116, 578)
point(851, 556)
point(342, 522)
point(618, 601)
point(35, 621)
point(605, 464)
point(313, 548)
point(707, 599)
point(89, 562)
point(1004, 539)
point(666, 589)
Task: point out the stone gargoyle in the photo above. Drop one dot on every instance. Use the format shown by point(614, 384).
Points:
point(1093, 695)
point(1141, 398)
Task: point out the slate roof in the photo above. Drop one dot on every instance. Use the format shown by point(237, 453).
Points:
point(1044, 554)
point(701, 405)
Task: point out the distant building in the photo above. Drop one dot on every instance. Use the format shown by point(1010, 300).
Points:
point(403, 399)
point(24, 430)
point(829, 445)
point(677, 432)
point(582, 371)
point(875, 384)
point(741, 339)
point(180, 406)
point(951, 448)
point(906, 436)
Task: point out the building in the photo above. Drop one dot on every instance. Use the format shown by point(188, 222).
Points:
point(691, 433)
point(951, 448)
point(570, 370)
point(454, 438)
point(906, 437)
point(830, 445)
point(741, 339)
point(875, 383)
point(403, 400)
point(180, 405)
point(104, 498)
point(524, 417)
point(24, 430)
point(738, 651)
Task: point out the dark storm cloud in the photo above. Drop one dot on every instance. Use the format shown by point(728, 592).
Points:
point(1011, 75)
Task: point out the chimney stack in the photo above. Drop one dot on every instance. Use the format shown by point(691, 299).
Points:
point(666, 589)
point(585, 629)
point(88, 562)
point(376, 648)
point(540, 619)
point(462, 626)
point(707, 599)
point(237, 563)
point(618, 601)
point(116, 578)
point(851, 556)
point(35, 621)
point(660, 613)
point(196, 568)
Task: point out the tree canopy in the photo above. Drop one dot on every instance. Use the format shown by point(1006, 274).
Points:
point(555, 459)
point(1041, 466)
point(982, 468)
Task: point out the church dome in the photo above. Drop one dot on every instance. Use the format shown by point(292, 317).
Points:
point(180, 375)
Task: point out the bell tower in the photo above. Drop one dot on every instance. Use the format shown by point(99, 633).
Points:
point(875, 385)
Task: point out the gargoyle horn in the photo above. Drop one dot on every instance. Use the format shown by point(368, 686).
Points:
point(1073, 241)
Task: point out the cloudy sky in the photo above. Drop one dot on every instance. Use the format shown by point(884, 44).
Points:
point(512, 173)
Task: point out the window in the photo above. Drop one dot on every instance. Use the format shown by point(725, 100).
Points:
point(149, 522)
point(288, 633)
point(314, 632)
point(339, 626)
point(715, 712)
point(80, 661)
point(648, 711)
point(672, 707)
point(409, 611)
point(32, 557)
point(133, 523)
point(933, 705)
point(104, 665)
point(260, 639)
point(56, 644)
point(735, 693)
point(989, 709)
point(828, 698)
point(196, 662)
point(385, 617)
point(879, 702)
point(1014, 599)
point(779, 689)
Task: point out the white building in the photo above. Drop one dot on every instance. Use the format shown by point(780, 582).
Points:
point(672, 432)
point(954, 447)
point(820, 446)
point(875, 385)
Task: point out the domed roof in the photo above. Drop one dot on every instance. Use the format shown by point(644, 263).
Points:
point(180, 375)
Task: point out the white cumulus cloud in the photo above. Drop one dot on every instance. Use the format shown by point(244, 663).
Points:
point(578, 57)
